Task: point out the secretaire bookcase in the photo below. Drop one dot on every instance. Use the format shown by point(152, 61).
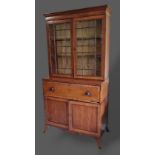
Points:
point(76, 91)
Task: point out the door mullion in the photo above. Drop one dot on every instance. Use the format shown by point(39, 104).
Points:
point(73, 32)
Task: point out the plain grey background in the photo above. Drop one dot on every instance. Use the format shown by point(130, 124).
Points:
point(55, 141)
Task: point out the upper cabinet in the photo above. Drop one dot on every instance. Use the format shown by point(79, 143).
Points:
point(78, 43)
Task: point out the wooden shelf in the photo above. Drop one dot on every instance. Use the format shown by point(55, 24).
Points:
point(87, 27)
point(84, 54)
point(64, 54)
point(88, 54)
point(62, 39)
point(62, 29)
point(91, 38)
point(68, 39)
point(93, 45)
point(63, 46)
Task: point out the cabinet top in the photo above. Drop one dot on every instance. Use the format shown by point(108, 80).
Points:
point(104, 9)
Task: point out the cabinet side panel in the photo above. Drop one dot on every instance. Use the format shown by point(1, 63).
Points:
point(107, 44)
point(104, 91)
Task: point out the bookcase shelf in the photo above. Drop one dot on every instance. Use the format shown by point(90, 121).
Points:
point(68, 39)
point(79, 54)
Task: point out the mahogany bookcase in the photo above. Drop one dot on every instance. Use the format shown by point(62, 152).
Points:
point(76, 91)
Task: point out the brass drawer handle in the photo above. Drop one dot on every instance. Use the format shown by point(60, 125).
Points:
point(51, 89)
point(87, 93)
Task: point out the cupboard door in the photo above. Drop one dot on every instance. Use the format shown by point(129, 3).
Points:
point(60, 41)
point(88, 47)
point(57, 112)
point(84, 118)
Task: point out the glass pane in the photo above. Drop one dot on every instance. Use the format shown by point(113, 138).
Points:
point(61, 41)
point(89, 39)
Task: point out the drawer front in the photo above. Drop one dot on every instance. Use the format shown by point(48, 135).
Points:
point(72, 91)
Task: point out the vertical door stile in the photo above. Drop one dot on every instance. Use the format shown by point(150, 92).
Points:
point(99, 121)
point(48, 33)
point(95, 48)
point(73, 33)
point(54, 50)
point(103, 47)
point(70, 116)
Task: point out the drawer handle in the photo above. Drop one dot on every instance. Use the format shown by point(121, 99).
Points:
point(87, 93)
point(51, 89)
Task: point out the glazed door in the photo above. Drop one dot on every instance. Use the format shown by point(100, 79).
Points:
point(57, 112)
point(89, 47)
point(83, 118)
point(60, 53)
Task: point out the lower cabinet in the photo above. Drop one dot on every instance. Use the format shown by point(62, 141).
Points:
point(76, 116)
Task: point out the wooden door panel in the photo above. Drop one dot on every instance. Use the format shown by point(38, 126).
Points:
point(84, 117)
point(57, 112)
